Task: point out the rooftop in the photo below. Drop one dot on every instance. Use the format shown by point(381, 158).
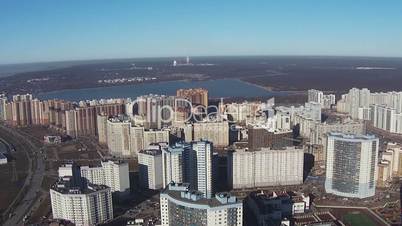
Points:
point(119, 119)
point(349, 136)
point(152, 152)
point(182, 192)
point(65, 186)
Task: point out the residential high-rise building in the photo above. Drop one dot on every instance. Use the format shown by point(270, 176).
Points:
point(319, 132)
point(351, 167)
point(155, 136)
point(386, 118)
point(326, 101)
point(118, 136)
point(142, 139)
point(155, 110)
point(3, 107)
point(150, 168)
point(201, 167)
point(71, 170)
point(114, 174)
point(303, 117)
point(265, 167)
point(173, 160)
point(259, 137)
point(315, 96)
point(19, 113)
point(241, 112)
point(181, 206)
point(358, 104)
point(82, 120)
point(389, 166)
point(198, 96)
point(396, 150)
point(90, 205)
point(136, 139)
point(215, 131)
point(101, 121)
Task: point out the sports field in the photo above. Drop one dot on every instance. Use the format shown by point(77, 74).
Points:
point(357, 219)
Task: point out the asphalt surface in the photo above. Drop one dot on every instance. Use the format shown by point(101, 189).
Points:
point(33, 182)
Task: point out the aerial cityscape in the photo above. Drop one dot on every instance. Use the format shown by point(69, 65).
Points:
point(138, 113)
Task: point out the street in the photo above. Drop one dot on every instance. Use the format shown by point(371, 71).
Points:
point(32, 183)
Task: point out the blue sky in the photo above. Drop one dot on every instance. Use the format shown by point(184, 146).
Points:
point(33, 31)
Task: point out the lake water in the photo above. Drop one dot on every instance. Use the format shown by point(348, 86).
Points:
point(216, 88)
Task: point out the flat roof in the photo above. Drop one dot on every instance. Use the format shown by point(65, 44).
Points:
point(64, 186)
point(177, 194)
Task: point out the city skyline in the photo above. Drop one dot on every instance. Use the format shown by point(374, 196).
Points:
point(46, 32)
point(202, 113)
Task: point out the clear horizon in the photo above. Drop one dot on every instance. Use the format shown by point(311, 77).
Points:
point(48, 31)
point(191, 56)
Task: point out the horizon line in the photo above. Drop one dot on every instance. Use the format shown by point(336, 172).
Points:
point(196, 56)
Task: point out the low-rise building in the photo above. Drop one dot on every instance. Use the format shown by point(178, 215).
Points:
point(270, 208)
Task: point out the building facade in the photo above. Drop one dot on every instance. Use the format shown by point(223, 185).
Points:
point(173, 160)
point(150, 168)
point(91, 205)
point(216, 132)
point(351, 168)
point(181, 206)
point(265, 167)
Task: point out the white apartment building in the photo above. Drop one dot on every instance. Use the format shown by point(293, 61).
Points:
point(114, 174)
point(87, 206)
point(319, 131)
point(118, 137)
point(203, 153)
point(303, 116)
point(392, 157)
point(351, 167)
point(153, 109)
point(142, 139)
point(246, 112)
point(3, 107)
point(265, 167)
point(150, 168)
point(357, 102)
point(215, 131)
point(101, 121)
point(181, 206)
point(155, 136)
point(136, 139)
point(173, 160)
point(319, 97)
point(386, 118)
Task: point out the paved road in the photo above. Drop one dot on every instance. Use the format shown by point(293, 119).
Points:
point(35, 181)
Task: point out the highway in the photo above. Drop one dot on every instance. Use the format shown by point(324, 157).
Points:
point(33, 181)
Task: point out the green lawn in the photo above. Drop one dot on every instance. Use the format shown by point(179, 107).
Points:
point(358, 219)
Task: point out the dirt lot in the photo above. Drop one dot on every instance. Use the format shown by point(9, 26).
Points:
point(44, 209)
